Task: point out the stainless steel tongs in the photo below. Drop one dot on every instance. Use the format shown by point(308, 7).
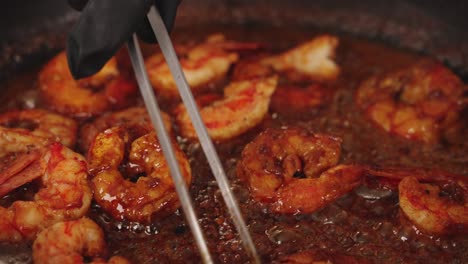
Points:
point(207, 145)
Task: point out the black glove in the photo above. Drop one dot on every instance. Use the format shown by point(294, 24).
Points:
point(105, 25)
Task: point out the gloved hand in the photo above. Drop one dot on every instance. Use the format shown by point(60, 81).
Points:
point(105, 25)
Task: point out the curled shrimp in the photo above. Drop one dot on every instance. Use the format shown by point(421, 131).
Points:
point(83, 98)
point(427, 207)
point(41, 123)
point(244, 105)
point(296, 171)
point(67, 242)
point(313, 59)
point(64, 193)
point(14, 140)
point(420, 102)
point(134, 116)
point(434, 200)
point(203, 64)
point(152, 194)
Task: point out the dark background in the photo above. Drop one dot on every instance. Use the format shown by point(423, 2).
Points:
point(29, 28)
point(20, 13)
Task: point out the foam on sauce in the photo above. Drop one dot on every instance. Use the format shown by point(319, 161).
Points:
point(366, 223)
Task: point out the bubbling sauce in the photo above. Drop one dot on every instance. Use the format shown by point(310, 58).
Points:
point(365, 223)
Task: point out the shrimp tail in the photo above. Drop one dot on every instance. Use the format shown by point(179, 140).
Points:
point(23, 170)
point(424, 175)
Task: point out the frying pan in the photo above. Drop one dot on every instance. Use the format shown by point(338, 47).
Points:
point(32, 31)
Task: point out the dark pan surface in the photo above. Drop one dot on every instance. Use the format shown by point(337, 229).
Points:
point(29, 29)
point(378, 235)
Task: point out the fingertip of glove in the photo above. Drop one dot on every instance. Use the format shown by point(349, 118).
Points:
point(168, 10)
point(81, 65)
point(77, 4)
point(72, 54)
point(145, 32)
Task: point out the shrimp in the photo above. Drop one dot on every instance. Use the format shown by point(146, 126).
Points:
point(310, 60)
point(130, 116)
point(151, 195)
point(434, 200)
point(81, 98)
point(13, 140)
point(24, 167)
point(64, 194)
point(293, 99)
point(295, 171)
point(419, 103)
point(313, 59)
point(244, 105)
point(66, 242)
point(203, 64)
point(429, 209)
point(42, 123)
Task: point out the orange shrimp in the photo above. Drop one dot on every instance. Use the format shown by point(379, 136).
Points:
point(295, 171)
point(134, 116)
point(64, 194)
point(429, 209)
point(418, 103)
point(14, 140)
point(42, 124)
point(203, 64)
point(66, 242)
point(22, 169)
point(435, 201)
point(244, 105)
point(152, 195)
point(83, 98)
point(313, 59)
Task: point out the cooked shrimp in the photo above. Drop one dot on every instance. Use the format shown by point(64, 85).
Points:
point(42, 123)
point(429, 209)
point(68, 242)
point(418, 103)
point(13, 140)
point(21, 131)
point(82, 98)
point(313, 59)
point(310, 60)
point(129, 117)
point(244, 105)
point(435, 201)
point(295, 171)
point(149, 196)
point(202, 65)
point(294, 99)
point(64, 193)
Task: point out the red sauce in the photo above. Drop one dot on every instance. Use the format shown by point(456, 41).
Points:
point(356, 225)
